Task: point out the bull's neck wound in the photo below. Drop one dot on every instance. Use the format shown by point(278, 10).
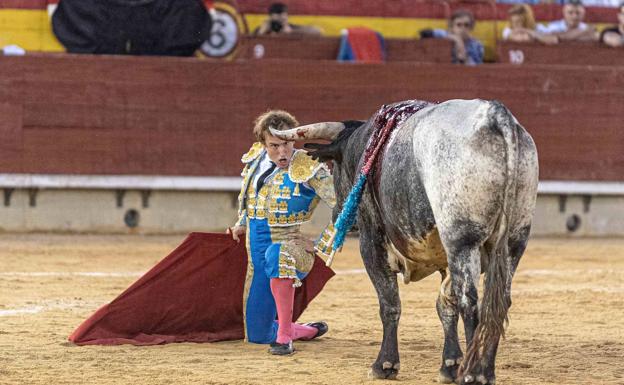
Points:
point(385, 121)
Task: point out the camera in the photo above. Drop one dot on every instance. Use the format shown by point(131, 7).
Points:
point(276, 26)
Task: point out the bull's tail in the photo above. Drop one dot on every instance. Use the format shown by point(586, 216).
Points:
point(497, 280)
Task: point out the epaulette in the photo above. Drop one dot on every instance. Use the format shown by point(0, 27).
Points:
point(302, 167)
point(254, 152)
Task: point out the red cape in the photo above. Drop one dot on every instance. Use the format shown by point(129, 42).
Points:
point(195, 294)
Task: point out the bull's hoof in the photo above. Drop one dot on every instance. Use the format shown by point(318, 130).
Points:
point(480, 379)
point(385, 371)
point(448, 371)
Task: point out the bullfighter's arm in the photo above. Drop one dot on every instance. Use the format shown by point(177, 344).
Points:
point(256, 150)
point(323, 184)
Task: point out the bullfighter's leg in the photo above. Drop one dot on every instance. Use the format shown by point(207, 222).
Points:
point(517, 244)
point(384, 280)
point(286, 264)
point(446, 306)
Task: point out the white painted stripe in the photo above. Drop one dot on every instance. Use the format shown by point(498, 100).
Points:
point(97, 274)
point(127, 182)
point(568, 272)
point(35, 309)
point(232, 183)
point(530, 272)
point(122, 274)
point(26, 310)
point(54, 304)
point(130, 274)
point(571, 289)
point(350, 271)
point(580, 187)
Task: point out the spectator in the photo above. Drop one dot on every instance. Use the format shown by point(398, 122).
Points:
point(601, 3)
point(571, 27)
point(277, 24)
point(614, 36)
point(522, 27)
point(534, 2)
point(466, 49)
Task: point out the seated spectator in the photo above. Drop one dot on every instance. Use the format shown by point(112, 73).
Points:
point(523, 1)
point(277, 24)
point(466, 49)
point(522, 27)
point(614, 36)
point(571, 27)
point(601, 3)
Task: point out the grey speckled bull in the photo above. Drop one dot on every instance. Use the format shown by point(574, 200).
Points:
point(454, 193)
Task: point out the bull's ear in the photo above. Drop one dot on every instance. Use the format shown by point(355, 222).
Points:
point(351, 125)
point(324, 152)
point(333, 150)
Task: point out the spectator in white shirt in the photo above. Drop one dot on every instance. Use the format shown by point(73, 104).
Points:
point(571, 27)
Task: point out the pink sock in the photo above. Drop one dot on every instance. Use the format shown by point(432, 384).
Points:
point(303, 332)
point(284, 295)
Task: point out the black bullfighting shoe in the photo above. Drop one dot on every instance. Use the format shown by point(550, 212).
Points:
point(320, 326)
point(282, 349)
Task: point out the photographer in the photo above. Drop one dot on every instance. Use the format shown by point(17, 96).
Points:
point(277, 24)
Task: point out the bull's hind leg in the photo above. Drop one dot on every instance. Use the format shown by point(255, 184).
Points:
point(446, 306)
point(384, 280)
point(517, 244)
point(463, 245)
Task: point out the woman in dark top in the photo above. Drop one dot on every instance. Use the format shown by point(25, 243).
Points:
point(614, 36)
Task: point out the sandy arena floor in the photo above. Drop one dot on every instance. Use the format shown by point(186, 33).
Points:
point(566, 320)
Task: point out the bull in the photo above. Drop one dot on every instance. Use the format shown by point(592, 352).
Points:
point(454, 192)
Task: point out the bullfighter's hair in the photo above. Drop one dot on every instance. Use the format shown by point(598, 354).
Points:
point(276, 119)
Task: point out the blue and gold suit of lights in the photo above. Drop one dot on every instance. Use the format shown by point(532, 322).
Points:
point(273, 216)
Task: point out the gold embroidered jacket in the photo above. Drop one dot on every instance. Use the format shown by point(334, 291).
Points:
point(289, 196)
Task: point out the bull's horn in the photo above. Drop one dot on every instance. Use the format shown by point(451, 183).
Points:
point(325, 130)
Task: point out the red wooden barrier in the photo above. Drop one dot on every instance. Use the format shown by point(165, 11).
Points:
point(575, 53)
point(326, 48)
point(173, 116)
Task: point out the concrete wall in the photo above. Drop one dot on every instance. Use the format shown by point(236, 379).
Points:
point(62, 210)
point(186, 211)
point(579, 215)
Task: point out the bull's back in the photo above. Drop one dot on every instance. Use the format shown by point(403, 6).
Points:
point(444, 167)
point(463, 157)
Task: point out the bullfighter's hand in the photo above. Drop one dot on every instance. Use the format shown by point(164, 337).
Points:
point(309, 246)
point(237, 232)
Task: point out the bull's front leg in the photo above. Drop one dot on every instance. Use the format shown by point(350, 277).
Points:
point(384, 280)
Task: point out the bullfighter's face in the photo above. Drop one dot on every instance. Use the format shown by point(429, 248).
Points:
point(280, 151)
